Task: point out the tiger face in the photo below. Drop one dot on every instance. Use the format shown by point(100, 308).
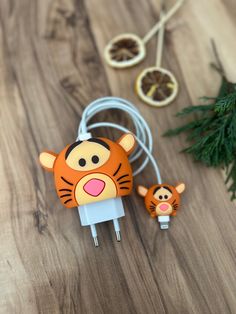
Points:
point(90, 171)
point(162, 199)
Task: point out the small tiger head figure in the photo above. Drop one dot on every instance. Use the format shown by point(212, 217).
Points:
point(162, 199)
point(92, 170)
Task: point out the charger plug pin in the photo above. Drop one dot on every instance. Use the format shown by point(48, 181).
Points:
point(118, 237)
point(95, 239)
point(117, 229)
point(94, 235)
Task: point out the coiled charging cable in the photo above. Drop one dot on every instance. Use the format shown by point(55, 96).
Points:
point(142, 131)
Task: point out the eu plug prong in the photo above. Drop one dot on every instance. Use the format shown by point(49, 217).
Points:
point(118, 237)
point(117, 229)
point(94, 235)
point(95, 240)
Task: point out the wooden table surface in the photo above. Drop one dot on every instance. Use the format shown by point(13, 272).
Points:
point(51, 67)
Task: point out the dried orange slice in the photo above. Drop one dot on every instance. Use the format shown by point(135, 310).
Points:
point(156, 86)
point(124, 51)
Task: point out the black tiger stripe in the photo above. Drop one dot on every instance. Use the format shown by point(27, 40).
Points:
point(65, 195)
point(125, 175)
point(68, 200)
point(66, 181)
point(99, 141)
point(117, 170)
point(127, 181)
point(71, 147)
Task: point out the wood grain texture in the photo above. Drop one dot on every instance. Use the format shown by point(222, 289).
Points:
point(51, 67)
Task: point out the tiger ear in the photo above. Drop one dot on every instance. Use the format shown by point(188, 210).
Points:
point(47, 160)
point(142, 191)
point(127, 142)
point(180, 188)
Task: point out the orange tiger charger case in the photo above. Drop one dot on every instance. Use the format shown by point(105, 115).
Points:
point(93, 174)
point(91, 171)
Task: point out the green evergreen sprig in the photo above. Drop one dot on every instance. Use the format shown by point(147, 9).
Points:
point(212, 131)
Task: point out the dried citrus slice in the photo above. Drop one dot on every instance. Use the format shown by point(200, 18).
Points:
point(124, 51)
point(156, 86)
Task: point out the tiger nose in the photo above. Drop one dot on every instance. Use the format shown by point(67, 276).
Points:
point(94, 187)
point(164, 207)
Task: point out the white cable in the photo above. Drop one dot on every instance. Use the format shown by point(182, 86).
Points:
point(142, 132)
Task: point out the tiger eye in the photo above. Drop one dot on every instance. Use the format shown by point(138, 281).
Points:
point(166, 196)
point(95, 159)
point(82, 162)
point(160, 197)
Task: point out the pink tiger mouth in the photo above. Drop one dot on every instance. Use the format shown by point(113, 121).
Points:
point(164, 207)
point(94, 187)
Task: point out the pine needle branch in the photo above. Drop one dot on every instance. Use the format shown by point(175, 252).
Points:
point(231, 178)
point(212, 130)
